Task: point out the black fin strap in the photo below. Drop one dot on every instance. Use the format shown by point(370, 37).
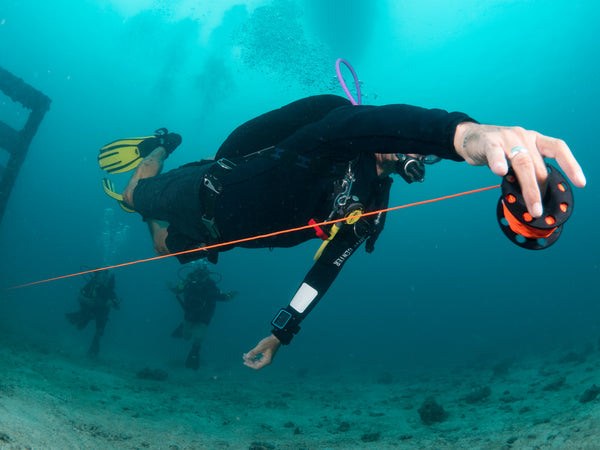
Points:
point(170, 141)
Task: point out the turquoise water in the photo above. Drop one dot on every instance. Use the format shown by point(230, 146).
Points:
point(444, 286)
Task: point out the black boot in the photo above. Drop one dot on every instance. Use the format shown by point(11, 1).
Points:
point(193, 359)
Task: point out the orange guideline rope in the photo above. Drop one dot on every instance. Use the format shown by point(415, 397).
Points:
point(523, 229)
point(275, 233)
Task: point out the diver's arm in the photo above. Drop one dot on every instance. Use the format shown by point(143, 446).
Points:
point(315, 284)
point(403, 129)
point(409, 129)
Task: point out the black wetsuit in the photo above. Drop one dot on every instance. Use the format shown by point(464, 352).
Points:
point(95, 301)
point(308, 147)
point(200, 300)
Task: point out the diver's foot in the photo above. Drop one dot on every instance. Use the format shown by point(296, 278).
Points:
point(170, 141)
point(193, 361)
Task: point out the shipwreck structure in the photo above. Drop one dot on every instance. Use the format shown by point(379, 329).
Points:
point(16, 142)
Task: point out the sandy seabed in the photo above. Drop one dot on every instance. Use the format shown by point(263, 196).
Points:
point(56, 400)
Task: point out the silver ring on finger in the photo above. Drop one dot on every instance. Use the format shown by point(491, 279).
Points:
point(516, 150)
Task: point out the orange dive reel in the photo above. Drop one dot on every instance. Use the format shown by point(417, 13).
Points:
point(519, 226)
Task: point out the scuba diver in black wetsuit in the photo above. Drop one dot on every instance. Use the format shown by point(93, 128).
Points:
point(200, 296)
point(315, 159)
point(95, 300)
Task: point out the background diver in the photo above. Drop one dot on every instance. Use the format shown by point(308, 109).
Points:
point(315, 159)
point(96, 299)
point(198, 295)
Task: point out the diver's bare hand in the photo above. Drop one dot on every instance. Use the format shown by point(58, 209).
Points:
point(262, 355)
point(524, 150)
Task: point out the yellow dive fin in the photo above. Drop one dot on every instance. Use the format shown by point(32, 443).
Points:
point(109, 189)
point(125, 154)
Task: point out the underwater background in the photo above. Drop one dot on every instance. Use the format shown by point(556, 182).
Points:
point(444, 287)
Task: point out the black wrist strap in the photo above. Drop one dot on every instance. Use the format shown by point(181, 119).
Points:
point(285, 324)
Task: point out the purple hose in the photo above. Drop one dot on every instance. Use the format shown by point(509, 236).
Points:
point(343, 83)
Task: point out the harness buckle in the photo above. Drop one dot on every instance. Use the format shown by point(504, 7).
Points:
point(226, 164)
